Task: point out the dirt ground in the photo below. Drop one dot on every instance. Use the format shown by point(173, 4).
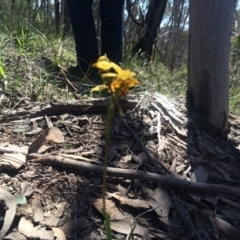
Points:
point(171, 175)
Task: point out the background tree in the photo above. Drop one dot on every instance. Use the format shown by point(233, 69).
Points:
point(57, 15)
point(209, 47)
point(151, 25)
point(65, 17)
point(176, 27)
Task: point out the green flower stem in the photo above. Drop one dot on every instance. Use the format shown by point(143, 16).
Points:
point(110, 114)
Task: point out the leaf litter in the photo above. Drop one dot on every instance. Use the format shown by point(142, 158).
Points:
point(157, 137)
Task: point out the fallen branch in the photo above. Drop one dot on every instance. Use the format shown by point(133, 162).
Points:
point(89, 106)
point(136, 174)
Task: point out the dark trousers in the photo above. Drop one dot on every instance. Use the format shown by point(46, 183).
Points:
point(111, 14)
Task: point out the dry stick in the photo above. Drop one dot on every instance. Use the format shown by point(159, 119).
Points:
point(159, 125)
point(136, 174)
point(229, 202)
point(66, 79)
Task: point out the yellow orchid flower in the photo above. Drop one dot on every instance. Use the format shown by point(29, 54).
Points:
point(126, 74)
point(121, 81)
point(103, 58)
point(99, 88)
point(105, 75)
point(117, 68)
point(103, 65)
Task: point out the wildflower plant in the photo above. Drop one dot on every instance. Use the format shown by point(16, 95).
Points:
point(115, 79)
point(118, 82)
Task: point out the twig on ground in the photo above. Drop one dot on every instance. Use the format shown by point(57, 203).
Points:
point(159, 125)
point(136, 174)
point(66, 79)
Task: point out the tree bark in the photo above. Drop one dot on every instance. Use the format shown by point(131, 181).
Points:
point(57, 15)
point(208, 66)
point(66, 18)
point(153, 19)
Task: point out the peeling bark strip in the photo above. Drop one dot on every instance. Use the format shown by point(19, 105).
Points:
point(136, 174)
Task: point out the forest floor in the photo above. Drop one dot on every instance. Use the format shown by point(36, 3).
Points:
point(170, 175)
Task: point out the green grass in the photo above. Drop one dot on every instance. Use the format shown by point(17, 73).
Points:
point(24, 50)
point(23, 56)
point(155, 76)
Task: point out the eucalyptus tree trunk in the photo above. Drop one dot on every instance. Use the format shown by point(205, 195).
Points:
point(208, 66)
point(153, 19)
point(57, 15)
point(13, 6)
point(66, 18)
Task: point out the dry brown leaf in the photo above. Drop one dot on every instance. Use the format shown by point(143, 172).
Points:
point(38, 215)
point(26, 227)
point(15, 236)
point(34, 131)
point(60, 209)
point(199, 175)
point(50, 220)
point(203, 223)
point(14, 148)
point(71, 225)
point(160, 201)
point(147, 120)
point(10, 202)
point(130, 202)
point(227, 228)
point(58, 233)
point(111, 209)
point(141, 156)
point(125, 226)
point(22, 128)
point(52, 135)
point(126, 159)
point(12, 161)
point(42, 234)
point(26, 189)
point(173, 166)
point(112, 152)
point(121, 189)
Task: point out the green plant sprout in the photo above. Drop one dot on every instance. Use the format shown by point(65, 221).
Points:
point(21, 42)
point(117, 81)
point(2, 73)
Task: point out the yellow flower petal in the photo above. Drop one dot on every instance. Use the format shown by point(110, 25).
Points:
point(103, 58)
point(132, 82)
point(103, 65)
point(125, 74)
point(116, 67)
point(105, 75)
point(117, 83)
point(99, 88)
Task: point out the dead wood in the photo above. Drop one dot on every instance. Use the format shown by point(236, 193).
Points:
point(36, 109)
point(136, 174)
point(158, 146)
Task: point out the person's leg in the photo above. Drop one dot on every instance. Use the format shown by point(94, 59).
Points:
point(84, 32)
point(111, 12)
